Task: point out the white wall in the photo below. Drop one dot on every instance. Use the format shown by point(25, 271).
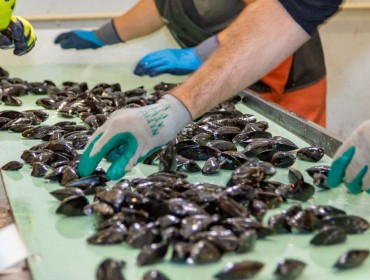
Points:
point(346, 40)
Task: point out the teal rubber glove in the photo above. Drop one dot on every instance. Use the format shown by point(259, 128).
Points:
point(351, 162)
point(130, 135)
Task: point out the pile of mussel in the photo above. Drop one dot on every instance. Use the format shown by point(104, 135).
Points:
point(197, 222)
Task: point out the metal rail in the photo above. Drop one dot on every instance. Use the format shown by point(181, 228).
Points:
point(305, 129)
point(109, 15)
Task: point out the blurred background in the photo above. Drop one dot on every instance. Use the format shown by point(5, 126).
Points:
point(346, 40)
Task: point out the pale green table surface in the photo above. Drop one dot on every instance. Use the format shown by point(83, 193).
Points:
point(57, 246)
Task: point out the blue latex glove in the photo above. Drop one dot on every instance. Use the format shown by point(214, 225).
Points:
point(351, 162)
point(79, 40)
point(171, 61)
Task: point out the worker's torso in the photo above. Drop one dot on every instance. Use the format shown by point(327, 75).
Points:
point(192, 21)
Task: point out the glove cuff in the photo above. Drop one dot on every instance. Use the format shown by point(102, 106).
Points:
point(206, 48)
point(108, 34)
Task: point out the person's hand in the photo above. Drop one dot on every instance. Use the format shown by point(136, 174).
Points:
point(351, 162)
point(171, 61)
point(93, 39)
point(79, 40)
point(19, 35)
point(130, 135)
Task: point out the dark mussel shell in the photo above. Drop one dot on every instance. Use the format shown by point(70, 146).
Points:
point(258, 209)
point(232, 208)
point(62, 194)
point(240, 270)
point(112, 235)
point(73, 206)
point(289, 269)
point(245, 174)
point(198, 152)
point(257, 147)
point(312, 154)
point(322, 169)
point(110, 269)
point(304, 221)
point(167, 159)
point(228, 161)
point(211, 166)
point(351, 224)
point(202, 138)
point(203, 252)
point(283, 159)
point(351, 259)
point(88, 182)
point(222, 145)
point(300, 191)
point(282, 144)
point(155, 275)
point(329, 236)
point(12, 166)
point(152, 254)
point(187, 165)
point(39, 169)
point(280, 224)
point(226, 133)
point(247, 241)
point(322, 211)
point(295, 176)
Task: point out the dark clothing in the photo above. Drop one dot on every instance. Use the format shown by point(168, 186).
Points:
point(193, 21)
point(309, 14)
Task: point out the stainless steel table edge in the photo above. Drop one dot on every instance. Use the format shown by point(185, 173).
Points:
point(298, 125)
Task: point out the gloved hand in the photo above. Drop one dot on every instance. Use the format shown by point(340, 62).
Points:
point(19, 35)
point(93, 39)
point(172, 61)
point(351, 162)
point(176, 61)
point(130, 135)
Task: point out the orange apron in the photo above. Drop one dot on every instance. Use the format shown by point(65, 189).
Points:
point(308, 101)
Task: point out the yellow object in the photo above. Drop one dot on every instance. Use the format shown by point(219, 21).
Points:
point(6, 11)
point(28, 31)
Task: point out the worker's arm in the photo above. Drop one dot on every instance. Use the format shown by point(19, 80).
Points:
point(15, 31)
point(139, 21)
point(263, 35)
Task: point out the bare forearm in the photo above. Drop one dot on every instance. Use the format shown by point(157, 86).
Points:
point(141, 20)
point(259, 39)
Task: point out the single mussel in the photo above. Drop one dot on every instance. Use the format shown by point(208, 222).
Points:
point(203, 252)
point(197, 152)
point(110, 269)
point(211, 166)
point(12, 166)
point(222, 145)
point(312, 154)
point(283, 159)
point(39, 169)
point(112, 235)
point(289, 269)
point(304, 221)
point(351, 259)
point(73, 206)
point(62, 194)
point(350, 223)
point(282, 144)
point(152, 254)
point(155, 275)
point(240, 270)
point(330, 235)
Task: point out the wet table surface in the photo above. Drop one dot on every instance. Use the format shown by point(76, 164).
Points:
point(57, 244)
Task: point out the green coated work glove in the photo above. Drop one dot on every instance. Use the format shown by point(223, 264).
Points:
point(351, 162)
point(19, 36)
point(130, 135)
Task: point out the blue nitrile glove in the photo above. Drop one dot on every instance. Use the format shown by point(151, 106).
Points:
point(351, 162)
point(130, 135)
point(176, 61)
point(93, 39)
